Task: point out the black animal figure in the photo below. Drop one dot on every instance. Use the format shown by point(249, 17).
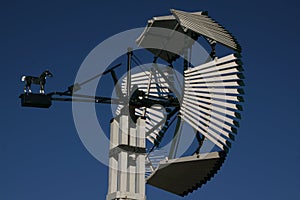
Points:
point(41, 80)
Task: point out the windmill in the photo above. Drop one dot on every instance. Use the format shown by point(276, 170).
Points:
point(155, 103)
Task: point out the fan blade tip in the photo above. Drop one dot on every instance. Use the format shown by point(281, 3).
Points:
point(236, 123)
point(204, 13)
point(241, 91)
point(241, 76)
point(239, 62)
point(228, 144)
point(234, 130)
point(238, 115)
point(232, 137)
point(238, 54)
point(222, 154)
point(241, 83)
point(226, 149)
point(240, 68)
point(241, 99)
point(239, 107)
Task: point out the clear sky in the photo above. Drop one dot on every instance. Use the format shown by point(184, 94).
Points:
point(41, 154)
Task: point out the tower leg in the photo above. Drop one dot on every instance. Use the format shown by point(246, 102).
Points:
point(127, 160)
point(141, 158)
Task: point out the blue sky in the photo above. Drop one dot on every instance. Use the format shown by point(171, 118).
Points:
point(41, 153)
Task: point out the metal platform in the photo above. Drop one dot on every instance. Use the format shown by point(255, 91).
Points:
point(184, 175)
point(35, 100)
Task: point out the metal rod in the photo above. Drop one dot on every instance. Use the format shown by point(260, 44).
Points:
point(129, 55)
point(77, 86)
point(127, 108)
point(94, 77)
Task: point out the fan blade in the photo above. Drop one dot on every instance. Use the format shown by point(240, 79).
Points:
point(216, 67)
point(222, 97)
point(211, 123)
point(194, 123)
point(216, 90)
point(236, 83)
point(215, 62)
point(214, 114)
point(210, 107)
point(217, 79)
point(207, 27)
point(215, 73)
point(211, 99)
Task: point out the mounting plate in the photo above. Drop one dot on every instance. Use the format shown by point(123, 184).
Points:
point(35, 100)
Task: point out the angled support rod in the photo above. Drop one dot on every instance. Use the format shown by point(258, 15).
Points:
point(77, 86)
